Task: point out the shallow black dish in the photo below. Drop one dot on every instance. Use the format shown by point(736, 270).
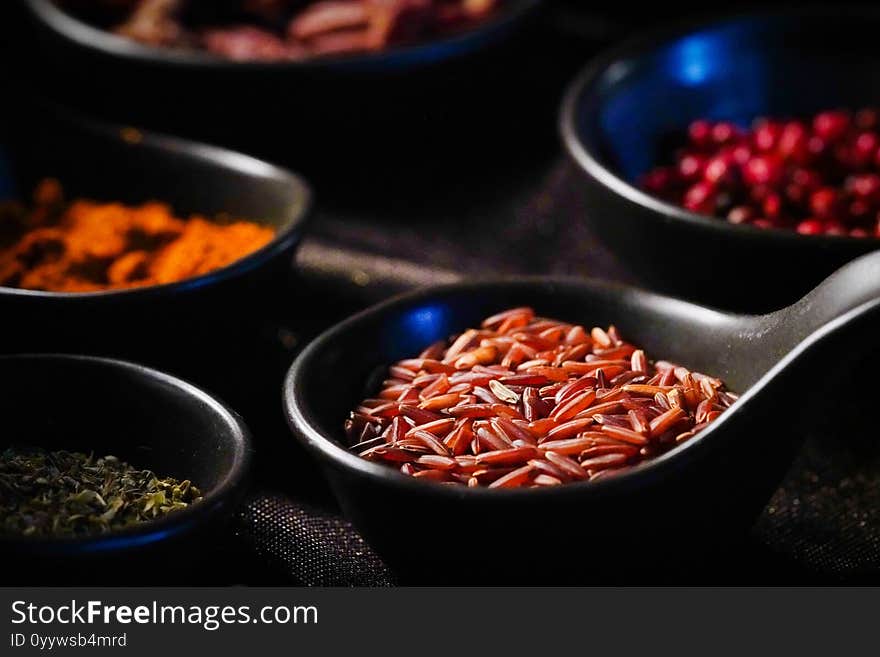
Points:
point(113, 163)
point(661, 520)
point(148, 418)
point(619, 114)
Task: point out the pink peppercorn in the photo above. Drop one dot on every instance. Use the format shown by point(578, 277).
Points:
point(810, 227)
point(817, 176)
point(831, 126)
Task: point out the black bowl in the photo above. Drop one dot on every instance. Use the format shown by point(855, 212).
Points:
point(72, 33)
point(115, 163)
point(619, 114)
point(664, 519)
point(153, 421)
point(436, 97)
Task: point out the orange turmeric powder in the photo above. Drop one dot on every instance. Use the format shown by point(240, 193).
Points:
point(87, 246)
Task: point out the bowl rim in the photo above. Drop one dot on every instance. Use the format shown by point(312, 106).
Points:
point(285, 236)
point(68, 26)
point(300, 419)
point(582, 89)
point(172, 524)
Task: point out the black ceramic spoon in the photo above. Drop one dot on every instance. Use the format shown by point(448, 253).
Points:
point(658, 518)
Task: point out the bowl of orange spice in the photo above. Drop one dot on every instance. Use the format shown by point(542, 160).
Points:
point(109, 231)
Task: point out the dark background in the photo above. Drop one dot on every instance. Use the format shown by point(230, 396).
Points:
point(426, 177)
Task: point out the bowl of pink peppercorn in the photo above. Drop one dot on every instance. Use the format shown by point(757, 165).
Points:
point(736, 162)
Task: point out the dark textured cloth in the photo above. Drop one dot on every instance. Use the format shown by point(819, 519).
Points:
point(309, 546)
point(825, 517)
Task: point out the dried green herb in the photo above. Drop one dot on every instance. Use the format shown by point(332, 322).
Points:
point(73, 494)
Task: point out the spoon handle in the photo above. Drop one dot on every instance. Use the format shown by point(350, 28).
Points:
point(849, 293)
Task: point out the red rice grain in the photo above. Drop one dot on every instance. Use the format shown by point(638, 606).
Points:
point(526, 401)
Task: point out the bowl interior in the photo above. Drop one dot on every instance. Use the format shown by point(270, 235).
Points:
point(349, 363)
point(643, 97)
point(106, 407)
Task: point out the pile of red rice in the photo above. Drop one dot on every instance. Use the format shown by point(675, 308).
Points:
point(530, 401)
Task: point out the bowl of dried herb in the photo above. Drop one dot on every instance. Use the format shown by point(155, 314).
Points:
point(109, 461)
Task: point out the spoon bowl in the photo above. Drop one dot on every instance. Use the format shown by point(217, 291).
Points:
point(678, 509)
